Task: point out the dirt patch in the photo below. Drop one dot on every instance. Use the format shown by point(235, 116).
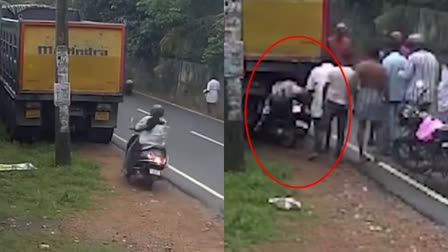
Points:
point(161, 220)
point(353, 213)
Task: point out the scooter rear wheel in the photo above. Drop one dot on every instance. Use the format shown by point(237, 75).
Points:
point(408, 153)
point(289, 138)
point(149, 181)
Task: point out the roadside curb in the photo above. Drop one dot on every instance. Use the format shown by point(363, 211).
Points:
point(423, 199)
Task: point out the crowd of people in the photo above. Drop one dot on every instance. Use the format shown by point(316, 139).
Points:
point(380, 80)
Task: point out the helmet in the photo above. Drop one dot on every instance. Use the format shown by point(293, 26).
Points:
point(157, 111)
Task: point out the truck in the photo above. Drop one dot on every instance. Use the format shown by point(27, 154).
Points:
point(267, 21)
point(27, 73)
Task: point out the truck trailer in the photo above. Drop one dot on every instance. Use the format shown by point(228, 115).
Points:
point(27, 73)
point(267, 21)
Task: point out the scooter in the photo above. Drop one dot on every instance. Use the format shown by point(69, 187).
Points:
point(144, 160)
point(288, 126)
point(422, 157)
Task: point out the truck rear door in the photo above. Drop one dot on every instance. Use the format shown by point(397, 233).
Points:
point(266, 21)
point(96, 57)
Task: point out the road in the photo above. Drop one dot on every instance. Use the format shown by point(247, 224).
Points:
point(195, 147)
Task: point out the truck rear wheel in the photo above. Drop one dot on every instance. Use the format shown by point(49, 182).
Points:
point(100, 135)
point(24, 134)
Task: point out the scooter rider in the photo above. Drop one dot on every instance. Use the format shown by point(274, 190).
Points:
point(152, 130)
point(279, 100)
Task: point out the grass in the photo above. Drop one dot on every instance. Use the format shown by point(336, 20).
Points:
point(48, 191)
point(29, 242)
point(249, 219)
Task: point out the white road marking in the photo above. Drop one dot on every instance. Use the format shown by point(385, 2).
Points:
point(207, 138)
point(428, 191)
point(188, 177)
point(196, 182)
point(143, 112)
point(192, 132)
point(178, 106)
point(414, 183)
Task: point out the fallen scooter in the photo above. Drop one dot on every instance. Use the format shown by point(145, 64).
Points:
point(286, 124)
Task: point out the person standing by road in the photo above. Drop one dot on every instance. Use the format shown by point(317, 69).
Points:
point(398, 38)
point(443, 91)
point(393, 40)
point(317, 85)
point(212, 96)
point(369, 95)
point(337, 104)
point(394, 63)
point(423, 66)
point(341, 44)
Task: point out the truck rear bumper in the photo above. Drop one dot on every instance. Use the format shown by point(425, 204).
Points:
point(83, 115)
point(279, 66)
point(74, 98)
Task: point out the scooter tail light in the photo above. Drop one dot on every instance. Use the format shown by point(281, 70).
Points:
point(156, 159)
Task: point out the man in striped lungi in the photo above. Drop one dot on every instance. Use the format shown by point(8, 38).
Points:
point(423, 66)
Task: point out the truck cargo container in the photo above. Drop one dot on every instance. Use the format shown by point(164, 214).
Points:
point(267, 21)
point(27, 73)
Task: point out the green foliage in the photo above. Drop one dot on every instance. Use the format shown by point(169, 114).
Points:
point(181, 29)
point(214, 52)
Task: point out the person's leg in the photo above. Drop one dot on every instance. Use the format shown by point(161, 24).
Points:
point(329, 115)
point(317, 138)
point(209, 109)
point(360, 136)
point(372, 134)
point(390, 124)
point(384, 142)
point(341, 125)
point(263, 118)
point(214, 110)
point(132, 155)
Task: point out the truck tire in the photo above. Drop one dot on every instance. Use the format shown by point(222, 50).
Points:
point(24, 134)
point(100, 135)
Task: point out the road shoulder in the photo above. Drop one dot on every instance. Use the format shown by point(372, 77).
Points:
point(354, 213)
point(164, 219)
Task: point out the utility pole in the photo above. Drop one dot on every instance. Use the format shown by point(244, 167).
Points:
point(62, 88)
point(233, 73)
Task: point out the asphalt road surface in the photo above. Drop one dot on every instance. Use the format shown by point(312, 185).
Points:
point(194, 143)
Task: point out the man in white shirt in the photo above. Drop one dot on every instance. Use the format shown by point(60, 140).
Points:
point(288, 87)
point(285, 89)
point(212, 96)
point(317, 85)
point(336, 105)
